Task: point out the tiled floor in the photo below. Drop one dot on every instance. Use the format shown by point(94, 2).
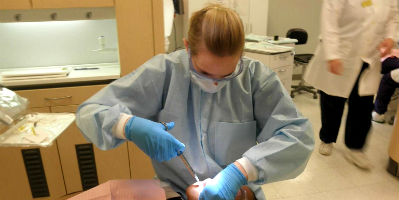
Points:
point(333, 177)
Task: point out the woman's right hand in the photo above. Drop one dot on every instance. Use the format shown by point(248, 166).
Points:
point(153, 138)
point(335, 66)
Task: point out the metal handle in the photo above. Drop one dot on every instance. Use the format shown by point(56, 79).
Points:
point(282, 70)
point(17, 17)
point(58, 98)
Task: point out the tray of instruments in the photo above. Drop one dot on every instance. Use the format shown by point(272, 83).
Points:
point(36, 129)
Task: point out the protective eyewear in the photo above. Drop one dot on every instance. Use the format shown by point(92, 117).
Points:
point(236, 72)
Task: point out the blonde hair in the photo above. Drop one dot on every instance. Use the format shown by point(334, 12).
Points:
point(220, 29)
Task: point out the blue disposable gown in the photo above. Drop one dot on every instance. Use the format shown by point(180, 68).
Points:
point(251, 116)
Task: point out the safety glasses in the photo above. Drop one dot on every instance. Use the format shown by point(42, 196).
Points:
point(236, 72)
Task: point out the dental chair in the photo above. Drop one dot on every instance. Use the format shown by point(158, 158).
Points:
point(301, 60)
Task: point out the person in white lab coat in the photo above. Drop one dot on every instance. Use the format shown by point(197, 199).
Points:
point(346, 67)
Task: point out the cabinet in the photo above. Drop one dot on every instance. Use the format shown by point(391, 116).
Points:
point(40, 4)
point(140, 36)
point(71, 3)
point(281, 63)
point(258, 16)
point(41, 177)
point(140, 163)
point(15, 4)
point(140, 32)
point(71, 164)
point(111, 164)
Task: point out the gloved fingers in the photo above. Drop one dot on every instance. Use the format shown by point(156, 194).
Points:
point(167, 126)
point(180, 148)
point(167, 148)
point(176, 146)
point(206, 181)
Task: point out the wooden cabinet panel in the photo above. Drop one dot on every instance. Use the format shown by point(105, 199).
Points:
point(110, 164)
point(71, 3)
point(59, 96)
point(52, 167)
point(158, 24)
point(40, 109)
point(14, 182)
point(135, 33)
point(15, 4)
point(140, 164)
point(66, 147)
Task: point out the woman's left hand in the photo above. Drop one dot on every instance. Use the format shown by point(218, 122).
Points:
point(225, 185)
point(194, 190)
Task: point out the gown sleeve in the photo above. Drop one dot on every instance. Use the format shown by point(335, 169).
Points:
point(285, 138)
point(138, 93)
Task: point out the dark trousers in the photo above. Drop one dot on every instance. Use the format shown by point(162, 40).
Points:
point(387, 85)
point(358, 121)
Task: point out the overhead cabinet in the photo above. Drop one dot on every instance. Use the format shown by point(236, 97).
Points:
point(42, 4)
point(71, 3)
point(15, 4)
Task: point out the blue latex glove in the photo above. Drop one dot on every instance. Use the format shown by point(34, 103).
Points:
point(152, 138)
point(225, 185)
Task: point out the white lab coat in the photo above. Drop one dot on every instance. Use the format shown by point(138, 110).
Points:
point(352, 33)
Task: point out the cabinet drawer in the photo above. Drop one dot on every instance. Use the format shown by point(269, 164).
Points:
point(287, 84)
point(284, 72)
point(263, 58)
point(59, 96)
point(282, 59)
point(273, 61)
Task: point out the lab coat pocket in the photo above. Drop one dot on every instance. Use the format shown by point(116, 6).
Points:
point(232, 140)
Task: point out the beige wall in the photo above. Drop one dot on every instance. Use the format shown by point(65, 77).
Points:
point(287, 14)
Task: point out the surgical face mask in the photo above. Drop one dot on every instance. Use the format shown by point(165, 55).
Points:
point(208, 85)
point(236, 72)
point(212, 85)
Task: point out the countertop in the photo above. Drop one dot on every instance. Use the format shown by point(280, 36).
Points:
point(266, 48)
point(263, 38)
point(77, 73)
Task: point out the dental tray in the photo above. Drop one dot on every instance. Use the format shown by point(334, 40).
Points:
point(36, 129)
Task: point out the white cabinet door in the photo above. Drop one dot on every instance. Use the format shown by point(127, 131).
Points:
point(258, 16)
point(254, 13)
